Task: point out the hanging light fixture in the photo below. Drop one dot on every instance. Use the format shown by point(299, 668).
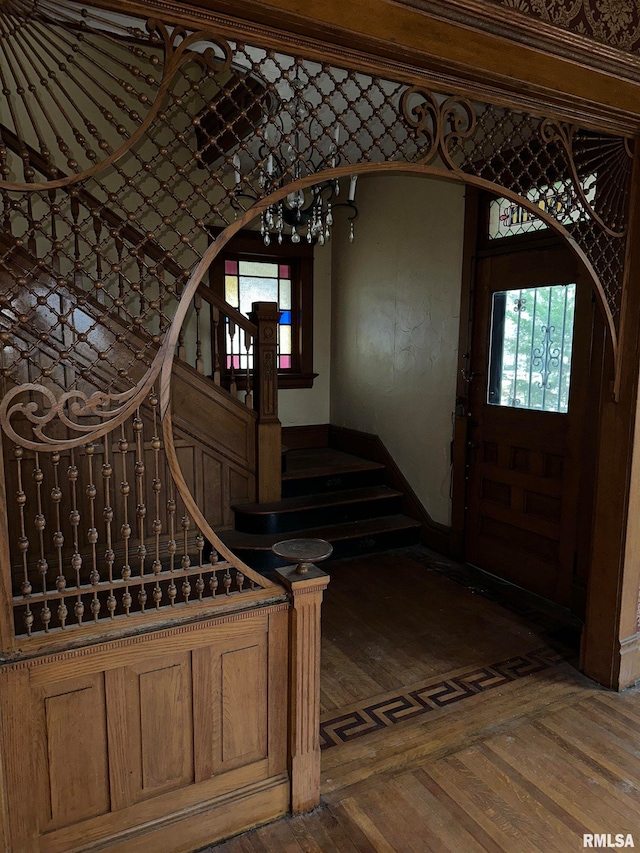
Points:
point(302, 214)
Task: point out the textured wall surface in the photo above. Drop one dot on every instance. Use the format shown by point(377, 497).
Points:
point(396, 304)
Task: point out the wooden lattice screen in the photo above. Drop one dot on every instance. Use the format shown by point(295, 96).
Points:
point(123, 144)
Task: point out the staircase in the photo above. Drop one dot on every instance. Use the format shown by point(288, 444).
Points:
point(327, 494)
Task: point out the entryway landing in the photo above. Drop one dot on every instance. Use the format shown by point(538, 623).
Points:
point(453, 722)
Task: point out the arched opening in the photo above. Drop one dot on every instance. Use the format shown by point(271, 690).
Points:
point(361, 398)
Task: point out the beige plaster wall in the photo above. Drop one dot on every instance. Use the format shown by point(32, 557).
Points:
point(297, 407)
point(395, 316)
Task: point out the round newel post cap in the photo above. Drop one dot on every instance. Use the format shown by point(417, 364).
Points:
point(303, 552)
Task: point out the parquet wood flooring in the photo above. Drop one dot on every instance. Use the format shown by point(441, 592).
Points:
point(526, 765)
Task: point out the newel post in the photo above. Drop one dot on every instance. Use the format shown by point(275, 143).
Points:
point(304, 683)
point(265, 316)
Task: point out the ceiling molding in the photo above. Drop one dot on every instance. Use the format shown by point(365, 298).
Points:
point(501, 20)
point(602, 101)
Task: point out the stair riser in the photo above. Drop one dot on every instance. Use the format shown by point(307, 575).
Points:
point(287, 522)
point(266, 561)
point(332, 482)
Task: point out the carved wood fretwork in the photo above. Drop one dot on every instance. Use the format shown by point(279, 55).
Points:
point(106, 212)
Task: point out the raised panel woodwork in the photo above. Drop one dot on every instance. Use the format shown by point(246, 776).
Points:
point(162, 716)
point(543, 506)
point(240, 486)
point(158, 742)
point(232, 711)
point(244, 708)
point(215, 503)
point(150, 727)
point(74, 758)
point(496, 492)
point(217, 420)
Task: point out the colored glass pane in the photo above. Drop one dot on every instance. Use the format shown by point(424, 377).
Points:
point(231, 290)
point(285, 362)
point(285, 295)
point(231, 267)
point(264, 269)
point(285, 318)
point(284, 271)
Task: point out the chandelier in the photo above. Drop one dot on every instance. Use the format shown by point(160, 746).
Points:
point(285, 155)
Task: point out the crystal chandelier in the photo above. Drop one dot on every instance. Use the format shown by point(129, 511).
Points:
point(302, 214)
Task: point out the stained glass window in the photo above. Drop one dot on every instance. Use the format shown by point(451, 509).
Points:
point(507, 218)
point(530, 348)
point(249, 281)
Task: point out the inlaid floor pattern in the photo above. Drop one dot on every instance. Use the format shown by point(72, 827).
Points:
point(451, 725)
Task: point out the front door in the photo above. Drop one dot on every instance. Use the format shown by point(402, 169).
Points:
point(527, 401)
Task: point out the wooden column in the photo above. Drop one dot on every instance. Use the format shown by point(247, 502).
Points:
point(265, 316)
point(611, 641)
point(304, 684)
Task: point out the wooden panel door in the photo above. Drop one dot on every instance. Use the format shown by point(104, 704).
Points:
point(523, 463)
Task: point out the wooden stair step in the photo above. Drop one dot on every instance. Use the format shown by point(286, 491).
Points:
point(319, 461)
point(326, 470)
point(322, 508)
point(348, 539)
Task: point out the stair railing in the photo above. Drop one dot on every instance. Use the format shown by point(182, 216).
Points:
point(141, 290)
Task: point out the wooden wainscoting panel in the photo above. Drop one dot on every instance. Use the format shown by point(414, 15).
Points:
point(244, 709)
point(233, 709)
point(150, 718)
point(151, 812)
point(217, 420)
point(114, 746)
point(211, 488)
point(73, 756)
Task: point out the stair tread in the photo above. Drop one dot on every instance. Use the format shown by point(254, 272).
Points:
point(322, 499)
point(346, 530)
point(324, 461)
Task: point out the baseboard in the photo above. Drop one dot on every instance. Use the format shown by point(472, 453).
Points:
point(303, 437)
point(434, 535)
point(629, 662)
point(204, 824)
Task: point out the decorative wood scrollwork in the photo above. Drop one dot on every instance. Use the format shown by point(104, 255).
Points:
point(82, 87)
point(607, 161)
point(111, 409)
point(443, 123)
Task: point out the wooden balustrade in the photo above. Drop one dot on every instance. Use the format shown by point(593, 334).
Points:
point(244, 359)
point(100, 532)
point(118, 603)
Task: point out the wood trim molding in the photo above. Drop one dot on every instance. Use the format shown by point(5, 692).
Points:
point(629, 662)
point(262, 602)
point(414, 46)
point(514, 25)
point(434, 535)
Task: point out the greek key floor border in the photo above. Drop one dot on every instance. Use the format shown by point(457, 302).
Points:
point(439, 693)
